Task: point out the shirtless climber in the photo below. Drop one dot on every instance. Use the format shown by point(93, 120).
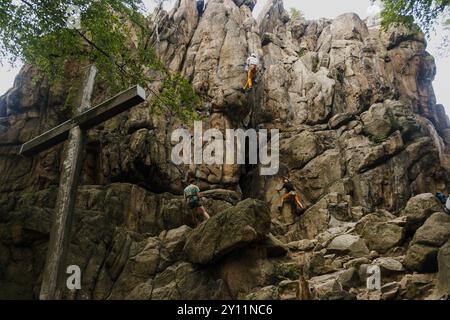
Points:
point(192, 198)
point(291, 193)
point(251, 68)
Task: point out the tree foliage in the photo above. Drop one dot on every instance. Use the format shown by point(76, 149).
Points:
point(114, 35)
point(425, 13)
point(296, 14)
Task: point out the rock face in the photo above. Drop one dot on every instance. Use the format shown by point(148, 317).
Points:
point(418, 209)
point(234, 228)
point(422, 253)
point(443, 286)
point(352, 245)
point(362, 139)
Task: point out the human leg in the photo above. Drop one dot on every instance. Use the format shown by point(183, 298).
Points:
point(297, 201)
point(201, 210)
point(194, 217)
point(285, 198)
point(252, 75)
point(249, 83)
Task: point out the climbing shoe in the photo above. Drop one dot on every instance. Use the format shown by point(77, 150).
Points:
point(299, 211)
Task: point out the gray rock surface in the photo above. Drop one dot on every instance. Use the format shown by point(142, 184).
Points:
point(362, 138)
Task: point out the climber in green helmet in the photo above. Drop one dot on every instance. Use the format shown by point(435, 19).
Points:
point(291, 195)
point(192, 198)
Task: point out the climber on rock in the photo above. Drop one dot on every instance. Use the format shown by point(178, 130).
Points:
point(441, 197)
point(192, 197)
point(291, 195)
point(200, 7)
point(445, 201)
point(251, 67)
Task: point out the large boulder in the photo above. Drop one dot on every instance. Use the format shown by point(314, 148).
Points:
point(382, 236)
point(389, 265)
point(421, 258)
point(184, 281)
point(435, 231)
point(418, 209)
point(378, 121)
point(380, 231)
point(236, 227)
point(349, 244)
point(333, 286)
point(443, 281)
point(422, 253)
point(416, 286)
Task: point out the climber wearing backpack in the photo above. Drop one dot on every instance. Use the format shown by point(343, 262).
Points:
point(291, 195)
point(192, 198)
point(200, 7)
point(251, 68)
point(445, 201)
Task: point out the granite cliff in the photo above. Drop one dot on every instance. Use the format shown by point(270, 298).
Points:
point(362, 138)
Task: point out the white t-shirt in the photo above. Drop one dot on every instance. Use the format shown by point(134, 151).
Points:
point(252, 61)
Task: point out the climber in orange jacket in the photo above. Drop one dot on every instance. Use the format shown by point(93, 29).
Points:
point(290, 195)
point(251, 68)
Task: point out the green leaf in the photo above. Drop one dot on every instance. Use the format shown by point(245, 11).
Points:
point(114, 36)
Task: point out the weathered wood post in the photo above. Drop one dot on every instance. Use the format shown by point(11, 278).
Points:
point(54, 269)
point(74, 131)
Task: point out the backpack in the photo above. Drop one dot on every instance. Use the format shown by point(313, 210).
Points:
point(193, 202)
point(441, 197)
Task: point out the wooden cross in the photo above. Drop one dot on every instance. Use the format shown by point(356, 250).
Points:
point(74, 131)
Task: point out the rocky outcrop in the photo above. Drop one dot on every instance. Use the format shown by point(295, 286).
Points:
point(353, 245)
point(361, 137)
point(381, 231)
point(443, 285)
point(234, 228)
point(422, 253)
point(420, 208)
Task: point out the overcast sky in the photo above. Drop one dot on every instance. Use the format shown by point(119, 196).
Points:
point(313, 9)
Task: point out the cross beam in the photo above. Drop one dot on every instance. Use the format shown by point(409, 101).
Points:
point(74, 131)
point(86, 120)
